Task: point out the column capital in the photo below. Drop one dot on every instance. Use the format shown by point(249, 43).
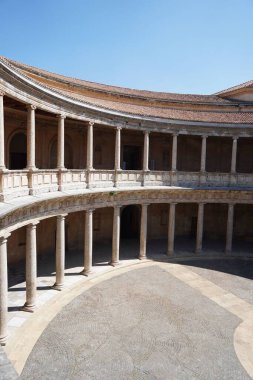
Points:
point(4, 238)
point(235, 138)
point(2, 93)
point(61, 116)
point(90, 210)
point(33, 225)
point(175, 134)
point(146, 132)
point(204, 136)
point(202, 203)
point(173, 203)
point(61, 216)
point(118, 128)
point(31, 107)
point(231, 204)
point(91, 123)
point(145, 204)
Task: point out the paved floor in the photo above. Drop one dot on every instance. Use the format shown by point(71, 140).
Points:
point(147, 324)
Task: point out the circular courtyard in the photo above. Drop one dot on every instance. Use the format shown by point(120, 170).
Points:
point(157, 321)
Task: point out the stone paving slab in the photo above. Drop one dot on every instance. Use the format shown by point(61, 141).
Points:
point(143, 324)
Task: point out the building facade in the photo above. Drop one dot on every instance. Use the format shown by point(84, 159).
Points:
point(82, 162)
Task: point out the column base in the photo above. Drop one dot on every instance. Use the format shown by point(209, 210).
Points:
point(58, 287)
point(170, 253)
point(86, 273)
point(28, 308)
point(3, 340)
point(113, 263)
point(228, 252)
point(198, 251)
point(142, 257)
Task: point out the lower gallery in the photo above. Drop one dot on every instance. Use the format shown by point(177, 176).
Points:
point(110, 175)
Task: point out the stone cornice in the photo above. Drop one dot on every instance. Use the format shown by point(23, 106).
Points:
point(48, 207)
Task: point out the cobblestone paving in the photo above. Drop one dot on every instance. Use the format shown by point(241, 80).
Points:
point(7, 372)
point(144, 324)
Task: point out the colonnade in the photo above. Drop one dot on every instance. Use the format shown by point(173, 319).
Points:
point(31, 165)
point(31, 251)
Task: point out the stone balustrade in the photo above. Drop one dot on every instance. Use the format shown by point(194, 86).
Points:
point(18, 183)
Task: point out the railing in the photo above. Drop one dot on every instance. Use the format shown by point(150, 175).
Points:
point(20, 183)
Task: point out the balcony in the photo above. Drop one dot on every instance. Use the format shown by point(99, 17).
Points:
point(19, 183)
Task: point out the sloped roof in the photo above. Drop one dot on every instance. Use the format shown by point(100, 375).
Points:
point(248, 84)
point(185, 107)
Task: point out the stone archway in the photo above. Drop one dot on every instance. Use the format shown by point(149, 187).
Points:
point(18, 151)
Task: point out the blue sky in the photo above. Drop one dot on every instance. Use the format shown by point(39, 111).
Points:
point(186, 46)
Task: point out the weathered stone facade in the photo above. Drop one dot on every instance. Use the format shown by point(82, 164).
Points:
point(81, 163)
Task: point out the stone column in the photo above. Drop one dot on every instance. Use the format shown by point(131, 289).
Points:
point(31, 137)
point(60, 251)
point(143, 231)
point(234, 153)
point(117, 148)
point(203, 154)
point(3, 290)
point(146, 151)
point(115, 236)
point(199, 234)
point(174, 153)
point(60, 142)
point(2, 145)
point(31, 267)
point(88, 240)
point(229, 234)
point(90, 146)
point(171, 229)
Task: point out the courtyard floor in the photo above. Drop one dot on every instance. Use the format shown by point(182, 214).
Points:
point(186, 318)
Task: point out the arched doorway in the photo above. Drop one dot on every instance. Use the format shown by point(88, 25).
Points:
point(130, 222)
point(68, 155)
point(17, 152)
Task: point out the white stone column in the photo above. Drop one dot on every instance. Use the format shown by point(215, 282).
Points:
point(230, 223)
point(200, 223)
point(234, 153)
point(117, 148)
point(31, 267)
point(143, 231)
point(3, 290)
point(2, 145)
point(174, 153)
point(115, 236)
point(171, 229)
point(88, 242)
point(31, 137)
point(60, 251)
point(146, 151)
point(90, 146)
point(203, 154)
point(60, 142)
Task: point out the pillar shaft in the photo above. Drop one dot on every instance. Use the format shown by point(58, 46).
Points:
point(203, 154)
point(2, 157)
point(171, 229)
point(60, 142)
point(229, 234)
point(60, 251)
point(143, 231)
point(88, 242)
point(115, 236)
point(31, 137)
point(31, 268)
point(117, 148)
point(199, 234)
point(174, 153)
point(146, 151)
point(3, 291)
point(234, 153)
point(90, 146)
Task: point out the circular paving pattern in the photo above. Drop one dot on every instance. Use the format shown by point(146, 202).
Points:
point(144, 324)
